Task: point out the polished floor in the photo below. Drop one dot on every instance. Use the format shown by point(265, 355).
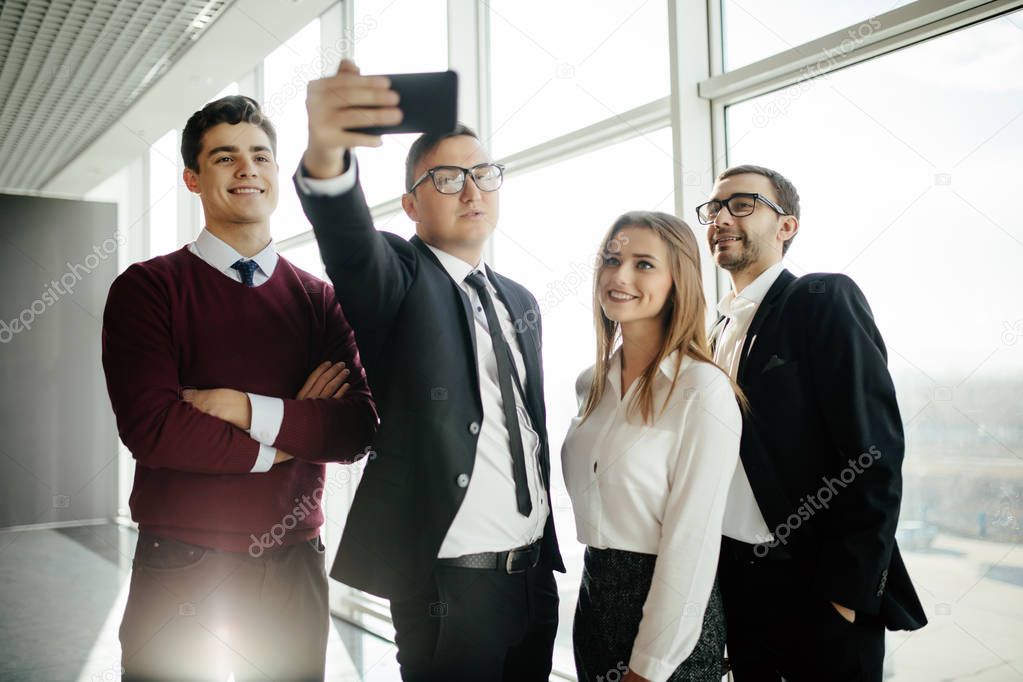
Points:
point(62, 592)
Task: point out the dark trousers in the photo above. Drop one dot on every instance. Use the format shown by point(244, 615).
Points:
point(201, 614)
point(778, 629)
point(478, 624)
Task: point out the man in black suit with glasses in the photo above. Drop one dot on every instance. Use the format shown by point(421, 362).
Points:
point(810, 571)
point(451, 520)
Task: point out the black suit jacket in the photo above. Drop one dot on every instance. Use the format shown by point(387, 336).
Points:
point(822, 443)
point(416, 336)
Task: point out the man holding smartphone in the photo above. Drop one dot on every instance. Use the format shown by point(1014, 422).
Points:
point(451, 521)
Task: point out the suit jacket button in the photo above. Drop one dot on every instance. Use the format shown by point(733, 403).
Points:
point(474, 428)
point(462, 481)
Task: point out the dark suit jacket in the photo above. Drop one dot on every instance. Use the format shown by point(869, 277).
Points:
point(416, 336)
point(814, 368)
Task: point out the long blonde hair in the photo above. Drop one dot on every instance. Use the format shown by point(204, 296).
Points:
point(683, 317)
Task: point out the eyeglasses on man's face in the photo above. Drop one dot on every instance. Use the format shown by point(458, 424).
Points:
point(451, 179)
point(740, 204)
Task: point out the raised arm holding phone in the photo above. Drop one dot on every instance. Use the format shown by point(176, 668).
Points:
point(451, 521)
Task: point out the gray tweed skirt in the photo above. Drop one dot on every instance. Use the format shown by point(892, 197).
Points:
point(614, 587)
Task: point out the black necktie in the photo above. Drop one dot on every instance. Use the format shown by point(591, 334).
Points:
point(505, 367)
point(245, 268)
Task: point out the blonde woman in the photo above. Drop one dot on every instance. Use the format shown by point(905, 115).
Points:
point(648, 463)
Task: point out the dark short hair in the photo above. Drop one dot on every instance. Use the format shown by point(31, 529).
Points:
point(786, 194)
point(425, 144)
point(232, 109)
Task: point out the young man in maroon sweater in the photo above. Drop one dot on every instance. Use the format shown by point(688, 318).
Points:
point(226, 367)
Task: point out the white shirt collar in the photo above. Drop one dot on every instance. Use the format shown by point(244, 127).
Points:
point(667, 368)
point(754, 292)
point(222, 255)
point(457, 268)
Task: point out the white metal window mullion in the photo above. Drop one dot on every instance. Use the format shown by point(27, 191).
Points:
point(718, 136)
point(691, 124)
point(872, 37)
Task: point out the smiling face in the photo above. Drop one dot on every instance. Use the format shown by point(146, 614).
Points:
point(456, 223)
point(237, 177)
point(635, 280)
point(750, 243)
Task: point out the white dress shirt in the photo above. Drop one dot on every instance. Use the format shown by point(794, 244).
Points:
point(658, 488)
point(743, 519)
point(489, 519)
point(267, 412)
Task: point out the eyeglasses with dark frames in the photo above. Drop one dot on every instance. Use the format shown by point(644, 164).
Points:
point(740, 204)
point(451, 179)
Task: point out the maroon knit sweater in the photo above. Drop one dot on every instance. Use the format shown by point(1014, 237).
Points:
point(174, 322)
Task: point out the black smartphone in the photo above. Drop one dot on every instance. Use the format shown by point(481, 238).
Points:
point(429, 102)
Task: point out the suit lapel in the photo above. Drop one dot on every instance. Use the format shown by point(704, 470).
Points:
point(760, 317)
point(468, 320)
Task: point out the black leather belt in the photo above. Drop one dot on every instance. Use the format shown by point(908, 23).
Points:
point(512, 561)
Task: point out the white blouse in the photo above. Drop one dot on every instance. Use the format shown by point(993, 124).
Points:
point(661, 489)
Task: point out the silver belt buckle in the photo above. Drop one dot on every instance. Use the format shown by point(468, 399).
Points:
point(508, 564)
point(508, 560)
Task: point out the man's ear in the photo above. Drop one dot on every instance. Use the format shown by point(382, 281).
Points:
point(408, 202)
point(789, 227)
point(191, 179)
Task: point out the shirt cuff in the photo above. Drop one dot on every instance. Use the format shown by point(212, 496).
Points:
point(649, 667)
point(328, 187)
point(264, 460)
point(267, 416)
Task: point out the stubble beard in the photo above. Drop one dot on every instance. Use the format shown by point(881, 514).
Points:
point(749, 255)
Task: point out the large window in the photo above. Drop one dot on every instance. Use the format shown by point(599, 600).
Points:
point(285, 74)
point(755, 29)
point(559, 66)
point(164, 179)
point(396, 36)
point(907, 185)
